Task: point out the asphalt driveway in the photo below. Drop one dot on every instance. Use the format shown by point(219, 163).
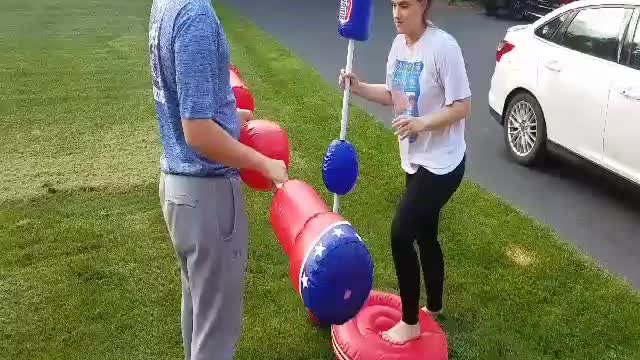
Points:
point(601, 218)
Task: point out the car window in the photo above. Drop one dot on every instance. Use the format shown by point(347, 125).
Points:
point(635, 50)
point(549, 29)
point(595, 31)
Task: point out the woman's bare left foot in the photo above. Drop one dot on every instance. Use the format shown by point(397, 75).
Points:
point(433, 314)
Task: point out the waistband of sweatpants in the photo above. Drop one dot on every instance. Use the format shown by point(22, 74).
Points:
point(202, 178)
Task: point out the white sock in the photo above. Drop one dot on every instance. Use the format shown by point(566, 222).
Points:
point(401, 333)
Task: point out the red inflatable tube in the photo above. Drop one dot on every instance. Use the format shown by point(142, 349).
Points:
point(312, 231)
point(244, 98)
point(269, 139)
point(313, 319)
point(360, 339)
point(330, 267)
point(235, 70)
point(299, 217)
point(295, 203)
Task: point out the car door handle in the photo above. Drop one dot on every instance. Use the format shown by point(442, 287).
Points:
point(553, 66)
point(630, 94)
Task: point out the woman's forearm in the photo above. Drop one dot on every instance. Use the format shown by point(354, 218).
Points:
point(377, 93)
point(449, 115)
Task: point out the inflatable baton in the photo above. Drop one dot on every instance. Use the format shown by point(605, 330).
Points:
point(340, 167)
point(354, 24)
point(244, 98)
point(269, 139)
point(235, 70)
point(355, 19)
point(330, 266)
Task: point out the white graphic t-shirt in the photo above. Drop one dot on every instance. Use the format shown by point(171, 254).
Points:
point(423, 79)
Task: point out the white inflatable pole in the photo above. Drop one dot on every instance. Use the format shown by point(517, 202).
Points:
point(345, 111)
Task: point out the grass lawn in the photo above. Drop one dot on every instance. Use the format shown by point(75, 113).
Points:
point(87, 270)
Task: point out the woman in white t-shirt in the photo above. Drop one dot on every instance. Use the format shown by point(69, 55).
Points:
point(427, 85)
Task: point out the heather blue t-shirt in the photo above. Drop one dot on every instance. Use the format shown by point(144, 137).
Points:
point(190, 64)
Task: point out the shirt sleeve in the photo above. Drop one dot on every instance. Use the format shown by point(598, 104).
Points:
point(195, 47)
point(453, 73)
point(390, 64)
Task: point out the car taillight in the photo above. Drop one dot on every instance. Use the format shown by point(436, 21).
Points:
point(503, 47)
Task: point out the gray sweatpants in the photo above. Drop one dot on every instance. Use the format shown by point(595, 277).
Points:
point(208, 226)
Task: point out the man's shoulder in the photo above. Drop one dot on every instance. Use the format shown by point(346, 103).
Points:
point(183, 14)
point(196, 7)
point(184, 10)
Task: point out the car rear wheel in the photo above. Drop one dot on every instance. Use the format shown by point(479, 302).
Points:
point(525, 129)
point(490, 7)
point(518, 9)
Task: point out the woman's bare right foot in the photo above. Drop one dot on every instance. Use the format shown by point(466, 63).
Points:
point(401, 333)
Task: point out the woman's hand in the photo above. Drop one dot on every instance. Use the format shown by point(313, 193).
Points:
point(377, 93)
point(406, 126)
point(353, 79)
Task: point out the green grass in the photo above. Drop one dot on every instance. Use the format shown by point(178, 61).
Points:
point(87, 270)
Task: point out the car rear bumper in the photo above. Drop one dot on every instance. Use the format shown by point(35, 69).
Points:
point(496, 100)
point(496, 116)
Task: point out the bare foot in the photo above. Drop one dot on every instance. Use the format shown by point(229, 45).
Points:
point(401, 333)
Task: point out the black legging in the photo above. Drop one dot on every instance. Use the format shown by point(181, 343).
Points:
point(417, 218)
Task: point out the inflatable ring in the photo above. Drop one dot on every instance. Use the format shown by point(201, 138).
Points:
point(360, 337)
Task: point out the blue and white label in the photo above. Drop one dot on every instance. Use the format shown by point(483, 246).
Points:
point(406, 88)
point(346, 7)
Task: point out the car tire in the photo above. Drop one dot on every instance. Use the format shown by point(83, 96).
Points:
point(490, 7)
point(524, 124)
point(517, 9)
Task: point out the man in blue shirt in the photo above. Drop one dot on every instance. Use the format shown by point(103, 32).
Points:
point(200, 188)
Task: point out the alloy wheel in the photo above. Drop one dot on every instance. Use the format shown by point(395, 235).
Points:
point(522, 129)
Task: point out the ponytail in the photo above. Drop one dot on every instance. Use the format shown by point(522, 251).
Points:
point(425, 14)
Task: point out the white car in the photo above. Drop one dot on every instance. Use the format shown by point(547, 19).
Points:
point(571, 80)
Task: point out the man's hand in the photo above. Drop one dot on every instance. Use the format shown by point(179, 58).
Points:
point(276, 170)
point(244, 115)
point(207, 138)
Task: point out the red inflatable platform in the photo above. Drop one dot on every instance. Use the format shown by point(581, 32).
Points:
point(360, 339)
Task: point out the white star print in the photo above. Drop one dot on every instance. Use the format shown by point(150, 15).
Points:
point(338, 232)
point(305, 281)
point(319, 250)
